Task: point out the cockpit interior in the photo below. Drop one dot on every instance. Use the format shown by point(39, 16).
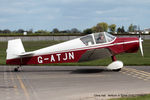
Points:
point(97, 38)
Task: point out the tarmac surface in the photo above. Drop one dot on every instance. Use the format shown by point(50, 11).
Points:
point(72, 82)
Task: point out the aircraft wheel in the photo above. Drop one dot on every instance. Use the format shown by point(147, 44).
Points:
point(117, 70)
point(15, 69)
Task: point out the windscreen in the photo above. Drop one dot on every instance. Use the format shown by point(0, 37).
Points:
point(109, 37)
point(87, 40)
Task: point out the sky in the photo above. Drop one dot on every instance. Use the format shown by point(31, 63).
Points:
point(67, 14)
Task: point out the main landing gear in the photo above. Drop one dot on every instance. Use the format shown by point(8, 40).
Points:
point(17, 68)
point(115, 65)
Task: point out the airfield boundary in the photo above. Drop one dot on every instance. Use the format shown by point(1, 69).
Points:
point(56, 38)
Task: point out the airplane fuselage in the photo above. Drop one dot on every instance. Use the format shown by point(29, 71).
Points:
point(77, 50)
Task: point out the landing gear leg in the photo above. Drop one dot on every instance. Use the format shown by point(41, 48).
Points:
point(115, 59)
point(17, 68)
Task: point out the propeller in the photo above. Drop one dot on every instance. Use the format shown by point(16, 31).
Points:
point(140, 45)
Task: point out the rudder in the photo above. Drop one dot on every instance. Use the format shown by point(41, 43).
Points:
point(14, 48)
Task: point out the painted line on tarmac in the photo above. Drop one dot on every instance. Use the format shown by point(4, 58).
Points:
point(14, 84)
point(136, 73)
point(23, 87)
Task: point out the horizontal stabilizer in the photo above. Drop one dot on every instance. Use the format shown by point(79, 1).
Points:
point(26, 54)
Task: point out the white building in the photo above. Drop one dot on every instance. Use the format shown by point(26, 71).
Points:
point(24, 33)
point(146, 31)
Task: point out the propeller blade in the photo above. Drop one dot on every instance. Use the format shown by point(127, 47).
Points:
point(140, 45)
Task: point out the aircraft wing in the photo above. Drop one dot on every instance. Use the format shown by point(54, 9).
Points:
point(95, 54)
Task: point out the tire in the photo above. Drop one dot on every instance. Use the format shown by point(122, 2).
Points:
point(117, 70)
point(15, 69)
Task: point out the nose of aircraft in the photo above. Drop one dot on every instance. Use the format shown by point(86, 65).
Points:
point(132, 47)
point(132, 44)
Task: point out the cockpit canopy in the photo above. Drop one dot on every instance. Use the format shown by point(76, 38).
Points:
point(97, 38)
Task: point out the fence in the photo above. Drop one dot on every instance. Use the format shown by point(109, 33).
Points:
point(56, 38)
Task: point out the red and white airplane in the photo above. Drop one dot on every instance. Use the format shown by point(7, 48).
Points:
point(86, 48)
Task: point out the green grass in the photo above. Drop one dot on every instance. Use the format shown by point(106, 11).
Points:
point(143, 97)
point(127, 58)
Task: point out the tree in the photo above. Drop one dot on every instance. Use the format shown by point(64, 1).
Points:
point(1, 31)
point(131, 28)
point(87, 31)
point(68, 31)
point(94, 29)
point(75, 30)
point(103, 26)
point(121, 30)
point(55, 30)
point(65, 31)
point(112, 28)
point(100, 27)
point(135, 28)
point(30, 30)
point(20, 31)
point(6, 31)
point(42, 32)
point(138, 28)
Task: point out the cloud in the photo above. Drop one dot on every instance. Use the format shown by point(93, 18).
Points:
point(67, 14)
point(4, 20)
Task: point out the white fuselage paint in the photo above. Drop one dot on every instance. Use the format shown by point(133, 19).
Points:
point(71, 47)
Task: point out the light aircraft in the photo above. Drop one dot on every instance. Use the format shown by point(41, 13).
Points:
point(86, 48)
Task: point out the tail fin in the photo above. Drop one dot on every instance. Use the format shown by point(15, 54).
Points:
point(14, 48)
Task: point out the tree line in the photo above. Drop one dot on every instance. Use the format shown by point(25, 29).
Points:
point(99, 27)
point(40, 32)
